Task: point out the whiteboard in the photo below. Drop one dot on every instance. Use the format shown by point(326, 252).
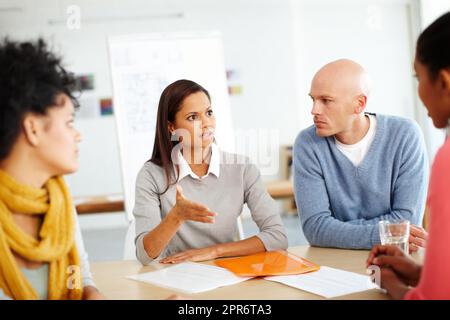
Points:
point(141, 67)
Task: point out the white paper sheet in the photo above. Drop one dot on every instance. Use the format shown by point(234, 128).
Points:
point(327, 282)
point(190, 277)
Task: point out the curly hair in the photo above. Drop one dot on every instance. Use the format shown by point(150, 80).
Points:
point(31, 78)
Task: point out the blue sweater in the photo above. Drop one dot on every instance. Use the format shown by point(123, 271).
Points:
point(339, 205)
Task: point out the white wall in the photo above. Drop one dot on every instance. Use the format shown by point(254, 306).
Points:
point(375, 33)
point(275, 45)
point(432, 9)
point(257, 43)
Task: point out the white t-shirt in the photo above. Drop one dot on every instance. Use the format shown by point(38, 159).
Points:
point(356, 152)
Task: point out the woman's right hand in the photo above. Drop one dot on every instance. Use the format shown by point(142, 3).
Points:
point(386, 256)
point(185, 209)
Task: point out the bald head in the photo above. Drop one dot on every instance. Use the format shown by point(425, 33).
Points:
point(343, 77)
point(339, 91)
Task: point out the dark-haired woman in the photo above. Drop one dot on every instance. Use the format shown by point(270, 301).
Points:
point(41, 249)
point(398, 272)
point(190, 194)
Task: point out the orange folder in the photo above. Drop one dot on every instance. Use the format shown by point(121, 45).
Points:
point(271, 263)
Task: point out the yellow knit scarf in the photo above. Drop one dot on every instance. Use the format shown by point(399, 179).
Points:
point(56, 243)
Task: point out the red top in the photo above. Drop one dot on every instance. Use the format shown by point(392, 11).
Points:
point(435, 278)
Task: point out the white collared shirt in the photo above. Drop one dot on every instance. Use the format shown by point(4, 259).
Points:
point(356, 152)
point(185, 169)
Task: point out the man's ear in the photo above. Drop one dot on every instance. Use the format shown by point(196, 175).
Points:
point(361, 101)
point(31, 129)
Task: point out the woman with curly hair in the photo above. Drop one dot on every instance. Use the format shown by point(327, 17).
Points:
point(41, 249)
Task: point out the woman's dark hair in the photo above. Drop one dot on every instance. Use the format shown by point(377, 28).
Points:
point(433, 46)
point(31, 78)
point(169, 104)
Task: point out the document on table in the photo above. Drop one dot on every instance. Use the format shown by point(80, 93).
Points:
point(190, 277)
point(327, 282)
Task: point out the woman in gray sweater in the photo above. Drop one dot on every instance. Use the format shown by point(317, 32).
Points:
point(190, 193)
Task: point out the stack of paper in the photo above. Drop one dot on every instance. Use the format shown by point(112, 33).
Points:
point(190, 277)
point(327, 282)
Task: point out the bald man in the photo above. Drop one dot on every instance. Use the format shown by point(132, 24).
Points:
point(352, 168)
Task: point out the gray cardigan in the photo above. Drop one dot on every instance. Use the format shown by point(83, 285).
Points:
point(238, 183)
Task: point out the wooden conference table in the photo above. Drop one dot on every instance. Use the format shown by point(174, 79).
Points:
point(110, 279)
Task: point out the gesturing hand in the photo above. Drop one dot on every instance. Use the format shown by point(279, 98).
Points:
point(189, 210)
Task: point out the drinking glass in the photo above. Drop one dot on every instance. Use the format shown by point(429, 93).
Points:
point(395, 233)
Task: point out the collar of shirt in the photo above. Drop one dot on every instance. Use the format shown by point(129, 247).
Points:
point(365, 140)
point(214, 165)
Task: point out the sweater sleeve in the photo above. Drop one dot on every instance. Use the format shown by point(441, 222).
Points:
point(320, 227)
point(263, 210)
point(435, 277)
point(410, 183)
point(146, 211)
